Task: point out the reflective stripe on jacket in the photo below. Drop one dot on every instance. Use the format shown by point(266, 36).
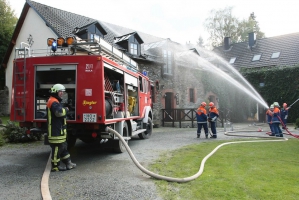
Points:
point(56, 120)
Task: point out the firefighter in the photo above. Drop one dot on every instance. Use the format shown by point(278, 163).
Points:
point(284, 115)
point(269, 114)
point(57, 132)
point(276, 120)
point(201, 115)
point(213, 115)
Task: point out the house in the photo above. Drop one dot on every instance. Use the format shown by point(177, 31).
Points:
point(173, 86)
point(257, 53)
point(263, 54)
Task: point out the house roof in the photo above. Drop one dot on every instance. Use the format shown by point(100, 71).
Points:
point(287, 45)
point(63, 24)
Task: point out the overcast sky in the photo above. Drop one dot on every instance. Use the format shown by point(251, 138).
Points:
point(179, 20)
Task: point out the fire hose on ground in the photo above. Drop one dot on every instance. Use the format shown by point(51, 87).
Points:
point(200, 171)
point(44, 183)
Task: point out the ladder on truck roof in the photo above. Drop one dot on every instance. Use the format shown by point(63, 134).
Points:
point(19, 82)
point(101, 47)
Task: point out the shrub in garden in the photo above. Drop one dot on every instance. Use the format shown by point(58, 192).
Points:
point(14, 134)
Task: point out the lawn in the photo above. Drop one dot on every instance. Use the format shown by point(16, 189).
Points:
point(267, 170)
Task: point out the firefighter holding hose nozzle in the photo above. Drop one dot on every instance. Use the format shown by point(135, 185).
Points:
point(57, 131)
point(284, 115)
point(276, 121)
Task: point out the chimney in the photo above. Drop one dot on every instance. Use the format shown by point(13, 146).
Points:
point(226, 43)
point(251, 39)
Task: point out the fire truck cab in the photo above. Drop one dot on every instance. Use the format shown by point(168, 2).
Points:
point(103, 88)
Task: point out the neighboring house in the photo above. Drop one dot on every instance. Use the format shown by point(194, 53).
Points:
point(278, 51)
point(266, 52)
point(174, 84)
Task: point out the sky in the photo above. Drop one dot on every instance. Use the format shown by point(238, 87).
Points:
point(180, 20)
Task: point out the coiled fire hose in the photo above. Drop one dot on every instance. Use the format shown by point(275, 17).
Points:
point(200, 171)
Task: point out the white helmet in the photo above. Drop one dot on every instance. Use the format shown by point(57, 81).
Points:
point(57, 87)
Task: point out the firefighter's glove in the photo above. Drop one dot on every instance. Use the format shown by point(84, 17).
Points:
point(209, 119)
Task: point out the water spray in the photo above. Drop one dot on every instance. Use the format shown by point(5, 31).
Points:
point(293, 104)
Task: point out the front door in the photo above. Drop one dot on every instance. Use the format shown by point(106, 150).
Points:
point(168, 106)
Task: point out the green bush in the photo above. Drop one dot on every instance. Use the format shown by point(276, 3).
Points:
point(14, 134)
point(2, 140)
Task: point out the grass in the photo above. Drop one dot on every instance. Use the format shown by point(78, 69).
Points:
point(267, 170)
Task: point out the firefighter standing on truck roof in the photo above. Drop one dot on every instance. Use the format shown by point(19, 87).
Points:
point(57, 132)
point(213, 115)
point(201, 116)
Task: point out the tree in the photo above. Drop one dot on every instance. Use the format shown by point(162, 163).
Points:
point(200, 41)
point(8, 21)
point(221, 23)
point(245, 27)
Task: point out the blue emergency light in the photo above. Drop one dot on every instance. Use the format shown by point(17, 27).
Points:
point(54, 46)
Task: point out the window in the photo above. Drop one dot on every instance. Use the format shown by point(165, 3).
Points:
point(191, 95)
point(275, 55)
point(256, 57)
point(167, 56)
point(94, 37)
point(133, 49)
point(232, 60)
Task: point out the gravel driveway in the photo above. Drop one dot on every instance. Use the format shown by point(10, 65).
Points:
point(100, 173)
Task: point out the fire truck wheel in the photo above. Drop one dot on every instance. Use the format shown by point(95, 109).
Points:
point(118, 146)
point(149, 129)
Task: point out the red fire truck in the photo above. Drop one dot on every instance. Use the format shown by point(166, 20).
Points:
point(103, 88)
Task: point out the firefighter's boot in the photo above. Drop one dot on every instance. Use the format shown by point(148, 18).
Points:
point(69, 165)
point(57, 168)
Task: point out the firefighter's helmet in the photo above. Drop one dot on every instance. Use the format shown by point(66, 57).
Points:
point(211, 104)
point(272, 106)
point(57, 87)
point(276, 104)
point(204, 104)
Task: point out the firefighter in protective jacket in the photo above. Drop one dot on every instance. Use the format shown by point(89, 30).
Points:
point(201, 115)
point(213, 115)
point(57, 132)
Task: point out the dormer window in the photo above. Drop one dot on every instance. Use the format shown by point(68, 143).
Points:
point(94, 37)
point(133, 49)
point(92, 32)
point(130, 42)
